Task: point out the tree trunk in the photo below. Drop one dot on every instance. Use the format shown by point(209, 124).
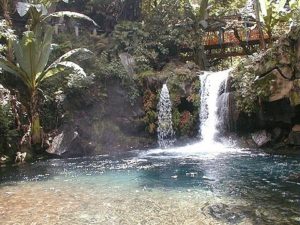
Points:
point(261, 34)
point(35, 119)
point(203, 10)
point(200, 57)
point(243, 46)
point(198, 51)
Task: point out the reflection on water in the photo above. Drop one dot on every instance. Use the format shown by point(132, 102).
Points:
point(155, 187)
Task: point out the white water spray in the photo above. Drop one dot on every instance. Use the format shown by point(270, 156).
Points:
point(207, 148)
point(210, 88)
point(165, 126)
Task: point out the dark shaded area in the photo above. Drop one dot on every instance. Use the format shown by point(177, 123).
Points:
point(278, 113)
point(186, 105)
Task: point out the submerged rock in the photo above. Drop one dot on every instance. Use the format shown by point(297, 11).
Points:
point(295, 177)
point(225, 213)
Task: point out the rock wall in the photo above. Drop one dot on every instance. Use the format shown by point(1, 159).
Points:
point(97, 123)
point(273, 78)
point(102, 119)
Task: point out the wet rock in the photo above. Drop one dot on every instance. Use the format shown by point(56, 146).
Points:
point(261, 138)
point(294, 177)
point(225, 213)
point(276, 134)
point(56, 144)
point(277, 113)
point(294, 138)
point(296, 128)
point(3, 159)
point(72, 142)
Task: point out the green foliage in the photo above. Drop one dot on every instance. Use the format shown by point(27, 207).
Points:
point(185, 123)
point(295, 11)
point(226, 8)
point(249, 88)
point(150, 120)
point(111, 67)
point(32, 54)
point(150, 100)
point(8, 133)
point(273, 13)
point(167, 27)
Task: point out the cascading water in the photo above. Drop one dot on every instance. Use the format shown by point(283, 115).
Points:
point(210, 88)
point(165, 126)
point(213, 86)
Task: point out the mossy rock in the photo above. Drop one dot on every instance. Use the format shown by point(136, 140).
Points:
point(295, 93)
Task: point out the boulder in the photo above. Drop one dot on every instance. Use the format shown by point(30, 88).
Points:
point(284, 58)
point(280, 87)
point(261, 137)
point(56, 145)
point(278, 113)
point(228, 214)
point(295, 177)
point(296, 128)
point(294, 138)
point(71, 143)
point(276, 134)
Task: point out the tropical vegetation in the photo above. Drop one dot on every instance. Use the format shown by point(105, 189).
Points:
point(155, 35)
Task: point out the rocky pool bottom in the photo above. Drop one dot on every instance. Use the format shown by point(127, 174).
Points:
point(187, 185)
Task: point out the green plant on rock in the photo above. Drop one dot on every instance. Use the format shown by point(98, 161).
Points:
point(249, 87)
point(109, 66)
point(150, 120)
point(8, 132)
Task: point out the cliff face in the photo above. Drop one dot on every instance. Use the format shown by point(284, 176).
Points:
point(97, 124)
point(103, 119)
point(267, 91)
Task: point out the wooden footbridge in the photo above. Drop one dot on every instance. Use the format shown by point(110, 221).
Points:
point(231, 36)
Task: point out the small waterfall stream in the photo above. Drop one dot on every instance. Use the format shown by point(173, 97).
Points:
point(210, 89)
point(165, 126)
point(213, 114)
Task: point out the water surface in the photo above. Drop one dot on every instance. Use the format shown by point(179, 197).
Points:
point(178, 186)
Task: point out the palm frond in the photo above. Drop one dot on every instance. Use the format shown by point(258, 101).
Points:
point(60, 67)
point(14, 70)
point(70, 14)
point(79, 53)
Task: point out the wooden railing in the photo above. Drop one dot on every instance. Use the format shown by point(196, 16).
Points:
point(219, 38)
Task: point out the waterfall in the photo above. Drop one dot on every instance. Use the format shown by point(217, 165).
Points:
point(210, 91)
point(165, 126)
